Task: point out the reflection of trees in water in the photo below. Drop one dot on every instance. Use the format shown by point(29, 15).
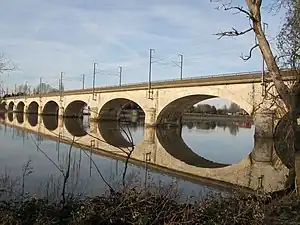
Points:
point(233, 126)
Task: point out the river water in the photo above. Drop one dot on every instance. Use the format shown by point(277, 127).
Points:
point(200, 157)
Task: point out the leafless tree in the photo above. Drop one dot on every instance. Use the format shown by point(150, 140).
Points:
point(287, 95)
point(288, 42)
point(6, 65)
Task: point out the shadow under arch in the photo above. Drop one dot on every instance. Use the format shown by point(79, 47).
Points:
point(76, 108)
point(20, 117)
point(3, 107)
point(50, 122)
point(112, 110)
point(75, 126)
point(10, 116)
point(172, 113)
point(33, 108)
point(20, 107)
point(171, 140)
point(32, 119)
point(50, 109)
point(11, 107)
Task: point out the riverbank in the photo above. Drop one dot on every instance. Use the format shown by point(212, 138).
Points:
point(152, 207)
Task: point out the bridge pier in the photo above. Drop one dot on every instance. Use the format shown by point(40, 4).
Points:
point(263, 137)
point(263, 150)
point(150, 117)
point(149, 134)
point(94, 114)
point(61, 112)
point(264, 124)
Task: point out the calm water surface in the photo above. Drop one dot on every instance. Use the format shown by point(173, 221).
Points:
point(221, 142)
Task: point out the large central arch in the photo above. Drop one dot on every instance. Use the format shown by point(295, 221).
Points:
point(20, 107)
point(33, 108)
point(76, 108)
point(172, 112)
point(11, 106)
point(50, 109)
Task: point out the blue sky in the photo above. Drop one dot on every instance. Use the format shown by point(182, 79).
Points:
point(46, 37)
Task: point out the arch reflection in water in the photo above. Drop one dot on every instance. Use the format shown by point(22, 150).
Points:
point(50, 122)
point(20, 117)
point(76, 126)
point(10, 116)
point(32, 119)
point(172, 142)
point(111, 132)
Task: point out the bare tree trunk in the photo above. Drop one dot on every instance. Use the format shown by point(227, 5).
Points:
point(264, 46)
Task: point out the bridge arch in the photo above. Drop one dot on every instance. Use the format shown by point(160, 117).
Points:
point(20, 107)
point(11, 106)
point(33, 108)
point(51, 108)
point(115, 111)
point(111, 110)
point(76, 108)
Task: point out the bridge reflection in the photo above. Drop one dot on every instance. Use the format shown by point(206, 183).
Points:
point(162, 149)
point(171, 140)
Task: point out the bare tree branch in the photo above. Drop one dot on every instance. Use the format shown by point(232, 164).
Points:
point(246, 58)
point(67, 174)
point(6, 64)
point(233, 33)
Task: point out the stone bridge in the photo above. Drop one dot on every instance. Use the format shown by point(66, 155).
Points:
point(161, 149)
point(162, 102)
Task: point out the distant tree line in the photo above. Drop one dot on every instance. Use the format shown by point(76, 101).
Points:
point(24, 89)
point(209, 109)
